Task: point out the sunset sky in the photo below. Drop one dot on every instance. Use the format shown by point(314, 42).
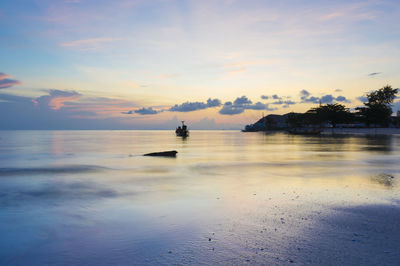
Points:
point(221, 64)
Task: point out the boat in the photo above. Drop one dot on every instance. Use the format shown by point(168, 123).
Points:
point(305, 131)
point(182, 131)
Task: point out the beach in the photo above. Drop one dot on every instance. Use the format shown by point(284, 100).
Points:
point(228, 198)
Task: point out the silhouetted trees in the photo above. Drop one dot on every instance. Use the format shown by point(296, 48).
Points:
point(295, 120)
point(329, 113)
point(332, 113)
point(377, 110)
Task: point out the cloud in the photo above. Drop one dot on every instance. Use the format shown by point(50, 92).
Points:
point(4, 76)
point(77, 105)
point(259, 106)
point(342, 99)
point(304, 94)
point(241, 104)
point(229, 109)
point(374, 74)
point(56, 99)
point(146, 111)
point(306, 97)
point(338, 90)
point(127, 113)
point(59, 109)
point(311, 99)
point(213, 103)
point(285, 103)
point(241, 101)
point(363, 99)
point(276, 97)
point(101, 106)
point(327, 98)
point(6, 82)
point(280, 100)
point(194, 106)
point(24, 114)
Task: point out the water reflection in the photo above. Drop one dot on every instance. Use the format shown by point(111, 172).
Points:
point(379, 143)
point(92, 195)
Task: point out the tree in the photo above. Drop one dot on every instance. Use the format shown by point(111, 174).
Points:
point(377, 110)
point(295, 120)
point(331, 113)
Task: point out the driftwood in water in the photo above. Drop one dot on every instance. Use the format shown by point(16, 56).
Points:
point(162, 153)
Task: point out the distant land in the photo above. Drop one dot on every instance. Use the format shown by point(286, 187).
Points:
point(376, 113)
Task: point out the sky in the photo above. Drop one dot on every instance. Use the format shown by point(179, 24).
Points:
point(217, 64)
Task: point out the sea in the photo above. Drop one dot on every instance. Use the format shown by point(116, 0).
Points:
point(228, 198)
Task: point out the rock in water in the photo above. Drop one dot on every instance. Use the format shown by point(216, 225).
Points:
point(162, 154)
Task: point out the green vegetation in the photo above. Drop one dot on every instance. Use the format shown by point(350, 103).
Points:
point(377, 110)
point(329, 113)
point(332, 113)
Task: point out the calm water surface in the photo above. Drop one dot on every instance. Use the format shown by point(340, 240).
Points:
point(90, 198)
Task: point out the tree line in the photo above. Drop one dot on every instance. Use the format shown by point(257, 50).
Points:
point(376, 111)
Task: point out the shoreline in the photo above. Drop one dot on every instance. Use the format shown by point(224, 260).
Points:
point(361, 131)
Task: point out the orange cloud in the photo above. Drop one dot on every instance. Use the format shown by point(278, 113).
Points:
point(58, 102)
point(56, 99)
point(6, 82)
point(4, 76)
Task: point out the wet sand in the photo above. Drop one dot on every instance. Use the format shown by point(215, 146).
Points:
point(359, 235)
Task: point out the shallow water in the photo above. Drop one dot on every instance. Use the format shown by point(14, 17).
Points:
point(90, 198)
